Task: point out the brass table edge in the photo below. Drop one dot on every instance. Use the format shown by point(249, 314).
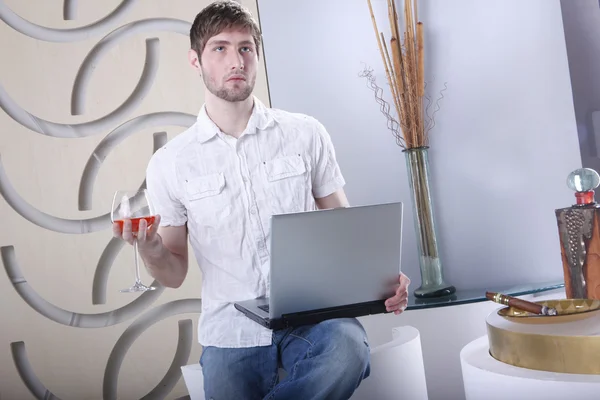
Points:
point(578, 354)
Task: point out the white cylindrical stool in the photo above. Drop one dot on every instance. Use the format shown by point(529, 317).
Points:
point(397, 370)
point(194, 381)
point(484, 377)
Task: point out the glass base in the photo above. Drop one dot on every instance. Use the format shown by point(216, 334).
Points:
point(138, 287)
point(434, 291)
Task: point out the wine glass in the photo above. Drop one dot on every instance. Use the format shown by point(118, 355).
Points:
point(134, 205)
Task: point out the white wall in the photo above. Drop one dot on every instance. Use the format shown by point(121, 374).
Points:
point(505, 141)
point(505, 137)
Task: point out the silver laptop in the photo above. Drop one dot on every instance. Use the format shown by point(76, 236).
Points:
point(325, 264)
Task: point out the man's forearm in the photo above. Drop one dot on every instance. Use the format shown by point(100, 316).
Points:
point(168, 268)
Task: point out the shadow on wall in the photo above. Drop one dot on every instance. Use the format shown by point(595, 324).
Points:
point(581, 21)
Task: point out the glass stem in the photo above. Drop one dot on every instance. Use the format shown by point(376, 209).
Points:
point(137, 262)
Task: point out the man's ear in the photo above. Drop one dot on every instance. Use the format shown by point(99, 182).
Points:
point(194, 59)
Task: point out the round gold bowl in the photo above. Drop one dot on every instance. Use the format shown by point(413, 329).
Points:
point(568, 310)
point(566, 343)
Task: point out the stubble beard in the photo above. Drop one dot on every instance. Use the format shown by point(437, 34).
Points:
point(230, 94)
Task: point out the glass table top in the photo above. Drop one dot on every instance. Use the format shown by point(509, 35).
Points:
point(466, 296)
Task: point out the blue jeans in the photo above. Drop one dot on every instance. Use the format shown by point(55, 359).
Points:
point(323, 361)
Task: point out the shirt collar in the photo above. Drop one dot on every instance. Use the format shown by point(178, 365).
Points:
point(260, 119)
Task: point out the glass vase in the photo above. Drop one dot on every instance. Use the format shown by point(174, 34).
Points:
point(432, 279)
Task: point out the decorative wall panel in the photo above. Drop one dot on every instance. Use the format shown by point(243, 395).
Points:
point(88, 91)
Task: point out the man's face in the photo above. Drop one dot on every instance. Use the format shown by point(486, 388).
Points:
point(228, 66)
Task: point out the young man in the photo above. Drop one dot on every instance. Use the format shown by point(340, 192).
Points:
point(219, 182)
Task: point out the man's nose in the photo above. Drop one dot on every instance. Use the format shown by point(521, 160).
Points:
point(237, 61)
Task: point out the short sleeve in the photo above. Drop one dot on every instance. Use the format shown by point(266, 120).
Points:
point(326, 174)
point(163, 198)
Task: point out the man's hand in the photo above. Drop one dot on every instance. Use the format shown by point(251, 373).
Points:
point(163, 250)
point(149, 242)
point(399, 301)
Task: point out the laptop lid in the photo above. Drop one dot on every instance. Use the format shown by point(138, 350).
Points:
point(336, 257)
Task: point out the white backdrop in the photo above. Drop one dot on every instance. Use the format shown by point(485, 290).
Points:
point(505, 137)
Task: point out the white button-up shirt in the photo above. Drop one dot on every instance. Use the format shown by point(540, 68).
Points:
point(225, 190)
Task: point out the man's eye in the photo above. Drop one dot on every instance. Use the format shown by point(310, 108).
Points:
point(219, 48)
point(246, 49)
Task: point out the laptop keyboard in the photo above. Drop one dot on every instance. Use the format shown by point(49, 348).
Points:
point(265, 308)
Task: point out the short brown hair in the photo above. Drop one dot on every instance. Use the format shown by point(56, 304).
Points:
point(217, 17)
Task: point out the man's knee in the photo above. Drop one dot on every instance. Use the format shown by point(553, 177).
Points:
point(346, 341)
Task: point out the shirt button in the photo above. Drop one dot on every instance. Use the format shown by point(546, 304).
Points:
point(252, 210)
point(245, 179)
point(261, 245)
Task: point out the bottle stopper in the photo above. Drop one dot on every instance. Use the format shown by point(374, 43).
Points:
point(583, 181)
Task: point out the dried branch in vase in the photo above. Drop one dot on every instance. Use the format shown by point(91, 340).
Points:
point(405, 72)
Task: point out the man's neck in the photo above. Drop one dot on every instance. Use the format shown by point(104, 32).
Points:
point(231, 117)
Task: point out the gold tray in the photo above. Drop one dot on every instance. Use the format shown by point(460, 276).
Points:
point(575, 352)
point(568, 310)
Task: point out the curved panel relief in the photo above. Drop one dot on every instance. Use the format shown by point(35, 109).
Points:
point(27, 374)
point(181, 357)
point(103, 269)
point(117, 355)
point(101, 222)
point(54, 129)
point(86, 186)
point(160, 391)
point(70, 318)
point(64, 35)
point(103, 46)
point(103, 149)
point(69, 9)
point(44, 220)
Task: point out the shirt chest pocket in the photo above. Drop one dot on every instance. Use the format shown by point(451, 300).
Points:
point(207, 201)
point(288, 182)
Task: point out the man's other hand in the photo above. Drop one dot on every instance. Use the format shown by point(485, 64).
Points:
point(399, 301)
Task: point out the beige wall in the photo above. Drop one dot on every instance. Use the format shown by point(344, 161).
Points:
point(76, 344)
